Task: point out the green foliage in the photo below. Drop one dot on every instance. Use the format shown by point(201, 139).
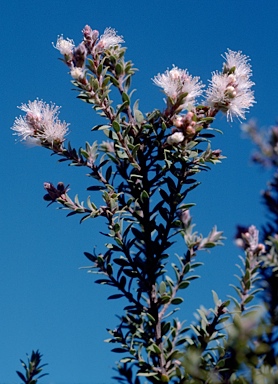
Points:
point(32, 369)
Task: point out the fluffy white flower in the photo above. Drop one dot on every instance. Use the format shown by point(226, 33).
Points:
point(64, 46)
point(230, 91)
point(22, 128)
point(107, 40)
point(40, 125)
point(177, 81)
point(77, 73)
point(175, 138)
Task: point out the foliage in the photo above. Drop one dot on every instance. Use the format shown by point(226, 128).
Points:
point(32, 368)
point(145, 171)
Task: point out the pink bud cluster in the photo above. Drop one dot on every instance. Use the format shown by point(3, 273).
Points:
point(184, 128)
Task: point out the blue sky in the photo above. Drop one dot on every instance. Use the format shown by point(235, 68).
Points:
point(46, 301)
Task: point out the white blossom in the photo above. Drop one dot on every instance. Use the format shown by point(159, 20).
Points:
point(175, 138)
point(107, 40)
point(64, 46)
point(40, 125)
point(176, 82)
point(230, 91)
point(77, 73)
point(22, 128)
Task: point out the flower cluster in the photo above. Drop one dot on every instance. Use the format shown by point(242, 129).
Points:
point(40, 125)
point(75, 57)
point(230, 91)
point(177, 83)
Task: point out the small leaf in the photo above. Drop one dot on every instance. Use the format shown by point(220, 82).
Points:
point(122, 262)
point(177, 300)
point(116, 126)
point(144, 196)
point(184, 284)
point(90, 256)
point(119, 350)
point(162, 288)
point(117, 296)
point(122, 282)
point(248, 299)
point(108, 173)
point(215, 297)
point(125, 98)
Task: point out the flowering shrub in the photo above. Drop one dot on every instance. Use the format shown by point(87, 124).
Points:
point(144, 171)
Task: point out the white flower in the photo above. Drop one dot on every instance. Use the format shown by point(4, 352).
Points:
point(175, 138)
point(107, 40)
point(64, 46)
point(23, 128)
point(230, 91)
point(77, 73)
point(41, 124)
point(178, 81)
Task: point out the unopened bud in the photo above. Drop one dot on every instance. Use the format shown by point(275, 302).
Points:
point(188, 116)
point(230, 92)
point(178, 121)
point(260, 248)
point(79, 55)
point(190, 131)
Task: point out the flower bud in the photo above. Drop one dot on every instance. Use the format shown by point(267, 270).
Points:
point(190, 131)
point(79, 55)
point(90, 37)
point(178, 121)
point(230, 92)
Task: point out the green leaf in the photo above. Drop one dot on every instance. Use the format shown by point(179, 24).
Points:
point(117, 296)
point(151, 318)
point(119, 350)
point(99, 69)
point(90, 256)
point(108, 173)
point(116, 126)
point(164, 195)
point(215, 297)
point(248, 299)
point(223, 319)
point(165, 299)
point(139, 117)
point(184, 284)
point(122, 262)
point(144, 196)
point(187, 206)
point(193, 277)
point(162, 288)
point(125, 98)
point(154, 348)
point(165, 327)
point(122, 282)
point(114, 81)
point(146, 374)
point(122, 107)
point(177, 300)
point(109, 269)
